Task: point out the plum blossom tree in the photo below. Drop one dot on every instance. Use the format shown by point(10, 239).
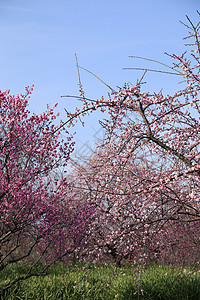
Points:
point(34, 223)
point(144, 178)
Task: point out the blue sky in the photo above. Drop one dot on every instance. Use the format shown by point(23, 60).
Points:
point(39, 39)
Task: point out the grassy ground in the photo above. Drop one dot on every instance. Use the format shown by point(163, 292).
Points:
point(85, 281)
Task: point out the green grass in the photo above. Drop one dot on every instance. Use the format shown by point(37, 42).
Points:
point(86, 281)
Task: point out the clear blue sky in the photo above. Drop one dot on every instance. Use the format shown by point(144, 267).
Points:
point(38, 40)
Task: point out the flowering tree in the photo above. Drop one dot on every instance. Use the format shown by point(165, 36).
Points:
point(34, 223)
point(144, 179)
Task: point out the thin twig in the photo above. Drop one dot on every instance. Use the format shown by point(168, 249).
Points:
point(79, 79)
point(191, 23)
point(142, 76)
point(142, 69)
point(99, 79)
point(156, 61)
point(78, 97)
